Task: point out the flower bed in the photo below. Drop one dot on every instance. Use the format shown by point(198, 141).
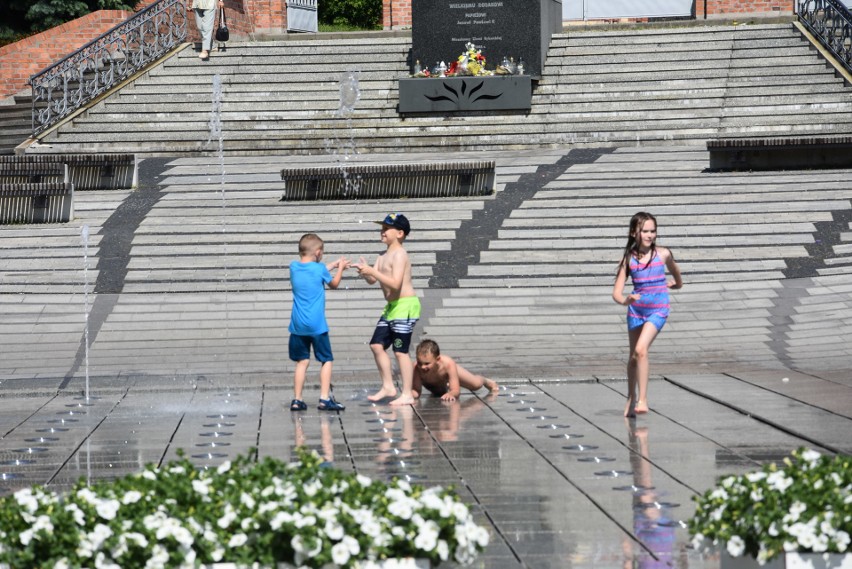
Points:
point(804, 506)
point(244, 512)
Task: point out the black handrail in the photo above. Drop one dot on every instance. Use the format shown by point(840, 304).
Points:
point(830, 21)
point(104, 62)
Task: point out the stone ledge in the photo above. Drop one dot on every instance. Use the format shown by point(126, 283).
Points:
point(380, 181)
point(790, 153)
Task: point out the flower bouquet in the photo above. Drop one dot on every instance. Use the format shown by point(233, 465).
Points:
point(244, 513)
point(470, 62)
point(804, 506)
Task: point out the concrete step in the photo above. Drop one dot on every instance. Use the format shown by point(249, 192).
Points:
point(598, 87)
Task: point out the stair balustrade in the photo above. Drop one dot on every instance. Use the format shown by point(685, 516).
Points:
point(831, 22)
point(104, 62)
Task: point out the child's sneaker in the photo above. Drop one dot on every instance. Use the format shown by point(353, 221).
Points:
point(330, 405)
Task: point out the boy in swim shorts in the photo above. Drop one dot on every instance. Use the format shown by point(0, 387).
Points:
point(442, 376)
point(392, 270)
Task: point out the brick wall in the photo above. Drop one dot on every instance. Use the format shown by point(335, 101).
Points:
point(396, 14)
point(20, 60)
point(727, 8)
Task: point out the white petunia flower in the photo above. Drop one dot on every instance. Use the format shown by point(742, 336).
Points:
point(755, 476)
point(247, 501)
point(363, 480)
point(224, 467)
point(719, 494)
point(131, 497)
point(401, 508)
point(99, 535)
point(811, 456)
point(43, 523)
point(229, 516)
point(736, 546)
point(333, 530)
point(107, 509)
point(159, 557)
point(841, 538)
point(280, 519)
point(148, 475)
point(460, 511)
point(237, 540)
point(427, 537)
point(101, 562)
point(779, 481)
point(340, 554)
point(26, 500)
point(202, 486)
point(88, 496)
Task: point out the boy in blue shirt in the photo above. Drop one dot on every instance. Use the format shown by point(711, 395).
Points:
point(308, 326)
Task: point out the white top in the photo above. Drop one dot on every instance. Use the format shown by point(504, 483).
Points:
point(203, 4)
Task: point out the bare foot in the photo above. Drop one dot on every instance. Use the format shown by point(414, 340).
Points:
point(382, 393)
point(492, 385)
point(629, 409)
point(402, 401)
point(204, 54)
point(641, 407)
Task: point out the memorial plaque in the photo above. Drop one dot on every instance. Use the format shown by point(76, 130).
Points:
point(519, 29)
point(465, 94)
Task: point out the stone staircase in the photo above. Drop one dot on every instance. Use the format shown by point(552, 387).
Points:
point(15, 122)
point(599, 88)
point(188, 281)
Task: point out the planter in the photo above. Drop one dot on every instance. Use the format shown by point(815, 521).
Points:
point(465, 94)
point(387, 564)
point(791, 561)
point(407, 563)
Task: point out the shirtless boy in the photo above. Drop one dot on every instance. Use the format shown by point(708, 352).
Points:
point(443, 376)
point(395, 327)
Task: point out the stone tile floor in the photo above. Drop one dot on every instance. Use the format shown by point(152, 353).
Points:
point(552, 467)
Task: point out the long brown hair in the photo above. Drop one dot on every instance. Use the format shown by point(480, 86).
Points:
point(636, 222)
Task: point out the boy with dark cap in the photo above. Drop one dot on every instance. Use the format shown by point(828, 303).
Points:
point(392, 270)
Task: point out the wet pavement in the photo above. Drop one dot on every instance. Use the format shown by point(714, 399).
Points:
point(186, 349)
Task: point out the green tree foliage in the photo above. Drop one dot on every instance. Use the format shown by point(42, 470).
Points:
point(363, 14)
point(45, 14)
point(21, 18)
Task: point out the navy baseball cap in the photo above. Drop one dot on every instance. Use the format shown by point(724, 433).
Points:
point(397, 221)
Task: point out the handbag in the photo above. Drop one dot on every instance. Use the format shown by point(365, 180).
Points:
point(222, 33)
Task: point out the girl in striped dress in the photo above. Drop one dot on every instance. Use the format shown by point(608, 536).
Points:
point(647, 305)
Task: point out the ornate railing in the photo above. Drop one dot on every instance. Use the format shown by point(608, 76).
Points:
point(831, 22)
point(104, 62)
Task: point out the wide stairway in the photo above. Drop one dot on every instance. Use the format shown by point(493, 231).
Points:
point(599, 88)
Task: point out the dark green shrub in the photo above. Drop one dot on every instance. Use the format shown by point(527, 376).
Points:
point(363, 14)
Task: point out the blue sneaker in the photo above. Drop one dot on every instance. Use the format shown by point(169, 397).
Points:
point(330, 405)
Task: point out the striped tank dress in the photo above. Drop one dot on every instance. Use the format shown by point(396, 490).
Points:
point(649, 281)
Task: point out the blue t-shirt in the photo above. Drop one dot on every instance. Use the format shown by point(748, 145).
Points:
point(308, 281)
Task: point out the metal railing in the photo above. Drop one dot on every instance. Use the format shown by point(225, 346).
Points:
point(831, 22)
point(104, 62)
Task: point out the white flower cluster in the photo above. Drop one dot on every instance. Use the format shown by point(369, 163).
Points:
point(804, 507)
point(242, 512)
